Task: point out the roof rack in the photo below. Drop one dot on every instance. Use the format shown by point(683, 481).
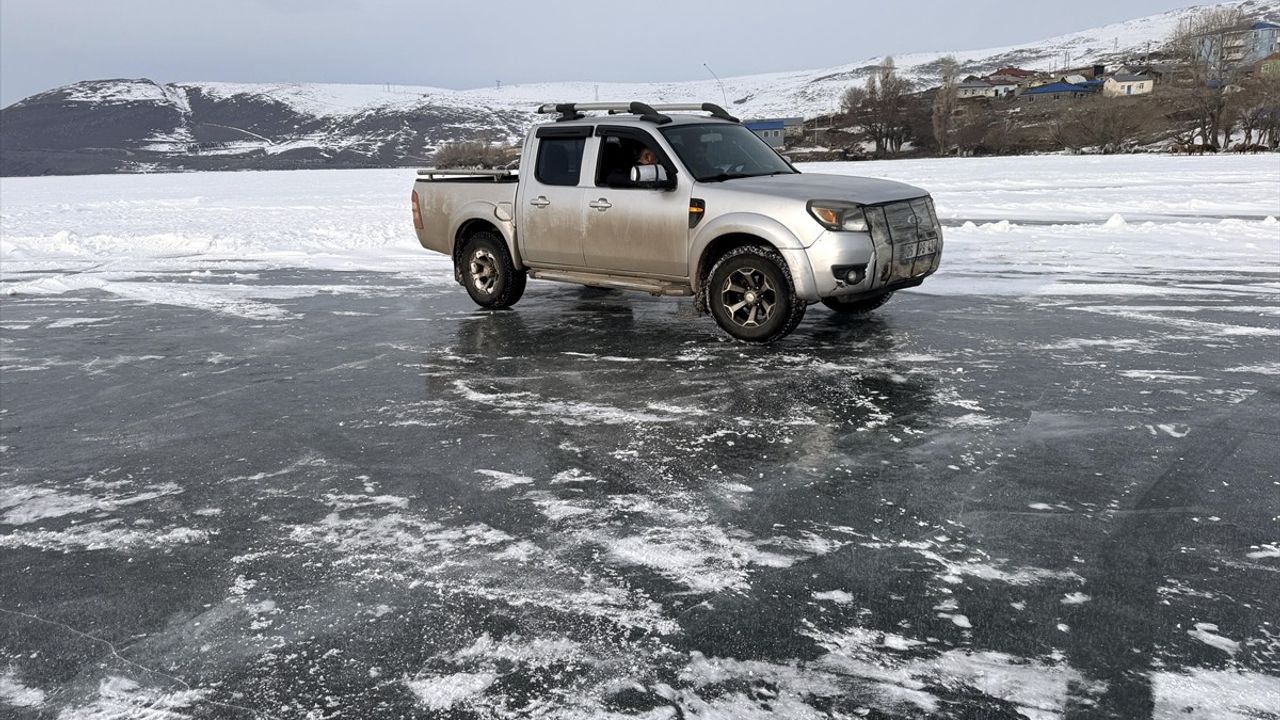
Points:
point(648, 113)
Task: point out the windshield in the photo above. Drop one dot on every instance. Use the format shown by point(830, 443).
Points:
point(721, 151)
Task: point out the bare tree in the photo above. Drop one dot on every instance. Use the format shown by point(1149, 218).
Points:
point(1255, 111)
point(1201, 43)
point(1002, 135)
point(894, 90)
point(853, 100)
point(880, 108)
point(1117, 126)
point(944, 104)
point(970, 130)
point(1109, 125)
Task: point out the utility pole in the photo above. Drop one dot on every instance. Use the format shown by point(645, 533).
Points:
point(717, 77)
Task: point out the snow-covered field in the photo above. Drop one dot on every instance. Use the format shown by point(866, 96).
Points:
point(262, 458)
point(1058, 226)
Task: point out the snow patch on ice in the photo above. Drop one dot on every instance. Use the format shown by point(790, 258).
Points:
point(1265, 551)
point(499, 480)
point(241, 300)
point(1207, 633)
point(535, 651)
point(575, 413)
point(974, 420)
point(445, 691)
point(1263, 369)
point(75, 321)
point(988, 571)
point(107, 535)
point(119, 698)
point(1214, 694)
point(1038, 690)
point(30, 503)
point(840, 597)
point(15, 694)
point(704, 559)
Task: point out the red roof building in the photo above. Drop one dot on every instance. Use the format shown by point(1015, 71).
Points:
point(1014, 72)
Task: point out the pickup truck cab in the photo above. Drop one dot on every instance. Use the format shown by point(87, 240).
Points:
point(646, 199)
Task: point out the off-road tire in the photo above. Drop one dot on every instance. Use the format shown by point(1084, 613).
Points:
point(488, 273)
point(751, 295)
point(857, 307)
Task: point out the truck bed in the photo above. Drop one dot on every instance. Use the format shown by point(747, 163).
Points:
point(443, 193)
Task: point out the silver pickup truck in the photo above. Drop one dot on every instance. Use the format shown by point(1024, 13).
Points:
point(643, 198)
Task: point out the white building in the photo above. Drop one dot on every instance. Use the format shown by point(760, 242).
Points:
point(1002, 88)
point(1123, 85)
point(975, 89)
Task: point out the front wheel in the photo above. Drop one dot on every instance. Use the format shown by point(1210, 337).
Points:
point(488, 273)
point(857, 307)
point(751, 295)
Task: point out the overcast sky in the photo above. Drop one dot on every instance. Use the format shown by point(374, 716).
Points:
point(471, 43)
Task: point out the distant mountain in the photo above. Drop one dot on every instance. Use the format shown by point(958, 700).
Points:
point(106, 126)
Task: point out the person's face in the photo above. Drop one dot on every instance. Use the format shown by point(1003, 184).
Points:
point(647, 157)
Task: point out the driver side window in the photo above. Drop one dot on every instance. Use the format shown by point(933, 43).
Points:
point(618, 154)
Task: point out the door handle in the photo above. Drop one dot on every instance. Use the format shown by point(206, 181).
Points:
point(602, 204)
point(540, 202)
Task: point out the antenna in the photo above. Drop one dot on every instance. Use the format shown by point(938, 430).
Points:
point(717, 77)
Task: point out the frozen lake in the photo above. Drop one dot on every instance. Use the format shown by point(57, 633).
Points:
point(261, 457)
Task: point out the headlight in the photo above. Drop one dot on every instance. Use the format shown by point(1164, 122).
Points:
point(838, 216)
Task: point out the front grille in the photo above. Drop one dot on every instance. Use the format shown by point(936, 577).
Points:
point(906, 233)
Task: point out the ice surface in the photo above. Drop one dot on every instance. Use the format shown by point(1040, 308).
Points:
point(862, 537)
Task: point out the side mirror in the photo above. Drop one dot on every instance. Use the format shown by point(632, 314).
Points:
point(650, 176)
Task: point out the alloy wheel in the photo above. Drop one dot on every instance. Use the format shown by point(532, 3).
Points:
point(748, 297)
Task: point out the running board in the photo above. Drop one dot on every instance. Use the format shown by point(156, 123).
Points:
point(653, 287)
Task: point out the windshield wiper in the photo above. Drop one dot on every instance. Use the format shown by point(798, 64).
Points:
point(726, 176)
point(721, 177)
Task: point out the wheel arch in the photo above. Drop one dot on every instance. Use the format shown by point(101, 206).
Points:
point(479, 217)
point(738, 229)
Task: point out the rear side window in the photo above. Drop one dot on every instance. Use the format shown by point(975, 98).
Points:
point(559, 160)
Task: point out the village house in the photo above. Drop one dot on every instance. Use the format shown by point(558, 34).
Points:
point(1056, 92)
point(1014, 74)
point(1002, 88)
point(1158, 73)
point(1126, 85)
point(974, 89)
point(1270, 66)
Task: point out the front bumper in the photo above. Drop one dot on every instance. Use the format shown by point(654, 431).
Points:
point(903, 247)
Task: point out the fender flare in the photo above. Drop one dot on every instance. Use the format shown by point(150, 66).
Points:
point(486, 212)
point(767, 229)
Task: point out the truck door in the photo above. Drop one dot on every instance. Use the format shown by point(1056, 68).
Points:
point(631, 228)
point(552, 213)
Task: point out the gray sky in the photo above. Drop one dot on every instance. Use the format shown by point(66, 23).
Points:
point(471, 43)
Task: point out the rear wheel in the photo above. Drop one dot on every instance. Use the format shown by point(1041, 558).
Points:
point(488, 273)
point(751, 295)
point(857, 307)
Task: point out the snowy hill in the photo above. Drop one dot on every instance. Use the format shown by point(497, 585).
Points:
point(141, 125)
